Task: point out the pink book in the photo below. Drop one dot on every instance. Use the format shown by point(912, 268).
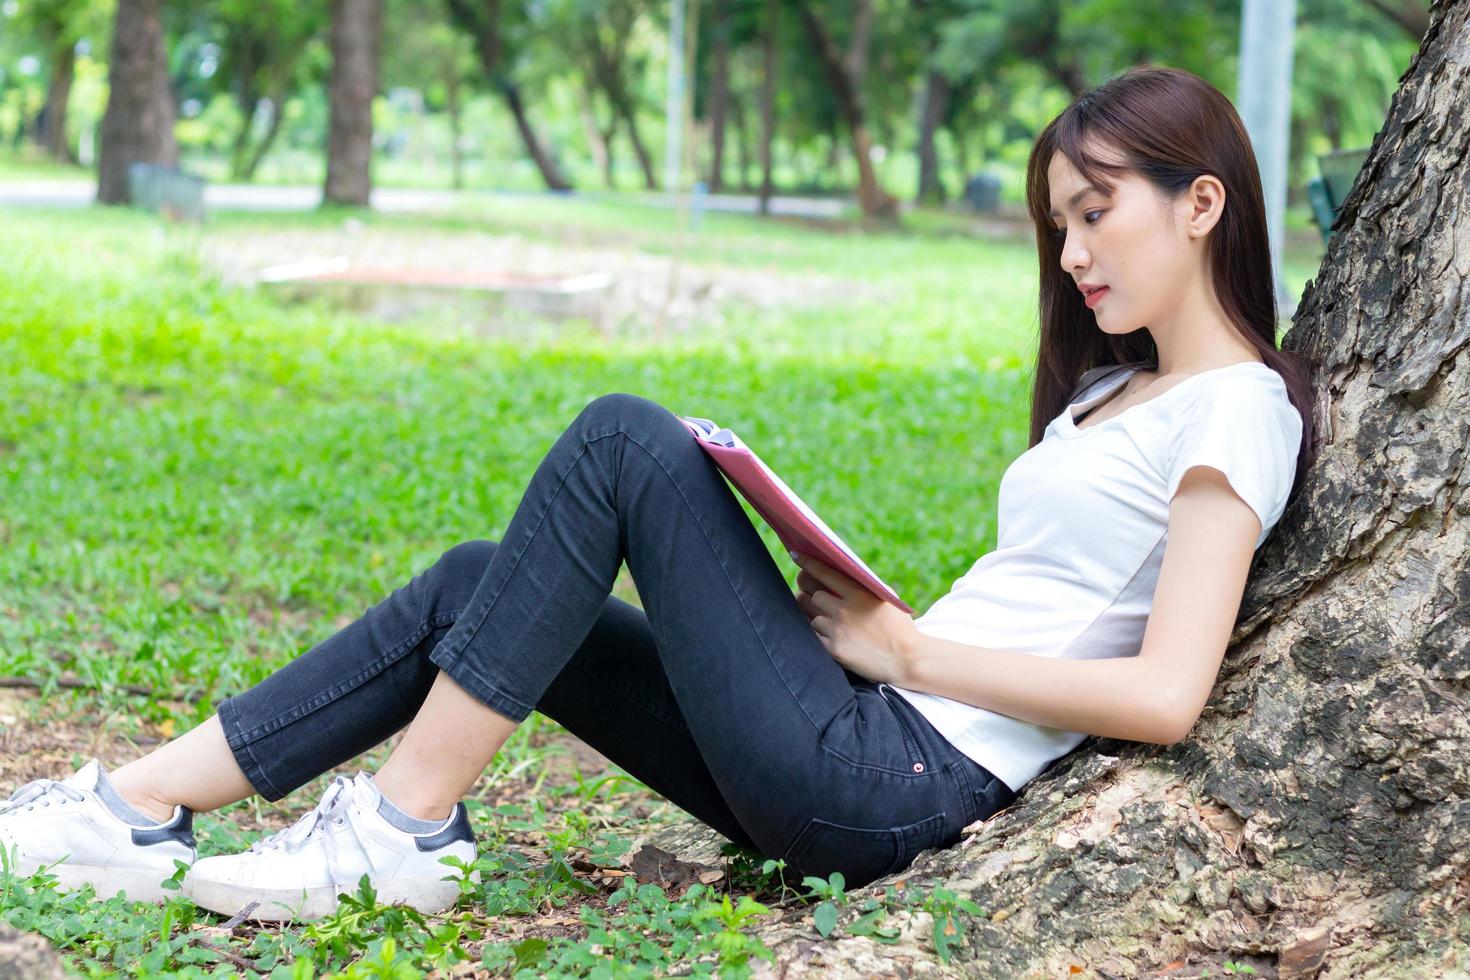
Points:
point(796, 524)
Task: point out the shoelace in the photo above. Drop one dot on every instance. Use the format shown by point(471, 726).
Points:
point(333, 802)
point(39, 792)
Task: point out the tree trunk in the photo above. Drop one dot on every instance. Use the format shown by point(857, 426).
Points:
point(961, 144)
point(719, 93)
point(282, 75)
point(599, 141)
point(247, 100)
point(935, 102)
point(278, 110)
point(550, 173)
point(453, 107)
point(485, 29)
point(768, 99)
point(1313, 824)
point(52, 135)
point(625, 111)
point(743, 155)
point(357, 27)
point(875, 201)
point(138, 125)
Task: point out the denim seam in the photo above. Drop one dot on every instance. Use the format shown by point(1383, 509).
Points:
point(908, 841)
point(356, 680)
point(444, 652)
point(450, 658)
point(244, 755)
point(907, 773)
point(970, 806)
point(491, 695)
point(739, 598)
point(910, 740)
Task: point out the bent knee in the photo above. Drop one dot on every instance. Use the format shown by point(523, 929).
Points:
point(467, 560)
point(622, 406)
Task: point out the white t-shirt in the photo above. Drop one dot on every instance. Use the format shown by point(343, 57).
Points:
point(1081, 527)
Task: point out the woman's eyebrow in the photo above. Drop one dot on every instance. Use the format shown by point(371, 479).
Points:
point(1077, 197)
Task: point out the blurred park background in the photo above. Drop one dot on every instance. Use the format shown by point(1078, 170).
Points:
point(294, 295)
point(380, 252)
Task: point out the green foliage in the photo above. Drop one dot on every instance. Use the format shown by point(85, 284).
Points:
point(249, 79)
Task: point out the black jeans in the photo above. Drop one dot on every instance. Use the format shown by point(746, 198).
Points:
point(717, 694)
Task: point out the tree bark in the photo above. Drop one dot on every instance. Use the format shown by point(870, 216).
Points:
point(455, 111)
point(281, 78)
point(935, 102)
point(550, 173)
point(626, 112)
point(484, 28)
point(742, 139)
point(1313, 824)
point(875, 201)
point(768, 100)
point(356, 35)
point(52, 135)
point(278, 109)
point(138, 124)
point(719, 92)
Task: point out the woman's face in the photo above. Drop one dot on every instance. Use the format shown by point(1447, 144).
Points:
point(1132, 242)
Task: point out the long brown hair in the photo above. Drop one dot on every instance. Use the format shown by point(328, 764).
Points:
point(1169, 126)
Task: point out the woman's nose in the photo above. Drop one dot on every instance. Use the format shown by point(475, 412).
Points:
point(1074, 256)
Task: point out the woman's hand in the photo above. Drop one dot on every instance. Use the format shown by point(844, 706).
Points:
point(872, 638)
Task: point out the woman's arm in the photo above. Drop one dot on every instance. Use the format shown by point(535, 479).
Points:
point(1156, 696)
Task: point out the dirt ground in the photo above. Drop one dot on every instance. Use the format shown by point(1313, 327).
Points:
point(646, 289)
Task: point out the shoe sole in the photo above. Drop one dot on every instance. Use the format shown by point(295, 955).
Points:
point(424, 894)
point(135, 884)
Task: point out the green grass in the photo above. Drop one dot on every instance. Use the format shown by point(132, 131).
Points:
point(200, 482)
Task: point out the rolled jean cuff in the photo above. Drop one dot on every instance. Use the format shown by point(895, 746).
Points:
point(463, 674)
point(229, 718)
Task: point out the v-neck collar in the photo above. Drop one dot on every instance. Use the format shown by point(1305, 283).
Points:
point(1068, 428)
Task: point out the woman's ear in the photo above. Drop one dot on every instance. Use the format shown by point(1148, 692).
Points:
point(1204, 204)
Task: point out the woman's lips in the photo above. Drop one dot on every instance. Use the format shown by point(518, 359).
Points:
point(1095, 297)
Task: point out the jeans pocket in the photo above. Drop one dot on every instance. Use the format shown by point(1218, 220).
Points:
point(910, 740)
point(862, 855)
point(990, 794)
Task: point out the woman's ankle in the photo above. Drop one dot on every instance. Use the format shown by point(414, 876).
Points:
point(412, 804)
point(139, 796)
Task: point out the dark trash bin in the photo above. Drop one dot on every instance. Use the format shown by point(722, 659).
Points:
point(982, 192)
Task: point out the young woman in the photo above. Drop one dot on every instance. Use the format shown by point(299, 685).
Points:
point(826, 728)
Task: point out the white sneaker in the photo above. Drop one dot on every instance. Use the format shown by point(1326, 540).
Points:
point(47, 820)
point(297, 873)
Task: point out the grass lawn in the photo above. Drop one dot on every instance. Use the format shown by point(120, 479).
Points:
point(200, 482)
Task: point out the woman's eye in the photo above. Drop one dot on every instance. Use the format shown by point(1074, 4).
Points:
point(1087, 213)
point(1059, 233)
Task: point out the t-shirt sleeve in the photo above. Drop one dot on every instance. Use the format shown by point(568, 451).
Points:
point(1250, 434)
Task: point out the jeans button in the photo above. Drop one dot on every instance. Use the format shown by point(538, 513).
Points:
point(918, 767)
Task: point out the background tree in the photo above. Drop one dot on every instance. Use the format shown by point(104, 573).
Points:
point(602, 37)
point(57, 26)
point(429, 54)
point(845, 71)
point(1345, 64)
point(356, 37)
point(138, 126)
point(499, 32)
point(938, 91)
point(263, 45)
